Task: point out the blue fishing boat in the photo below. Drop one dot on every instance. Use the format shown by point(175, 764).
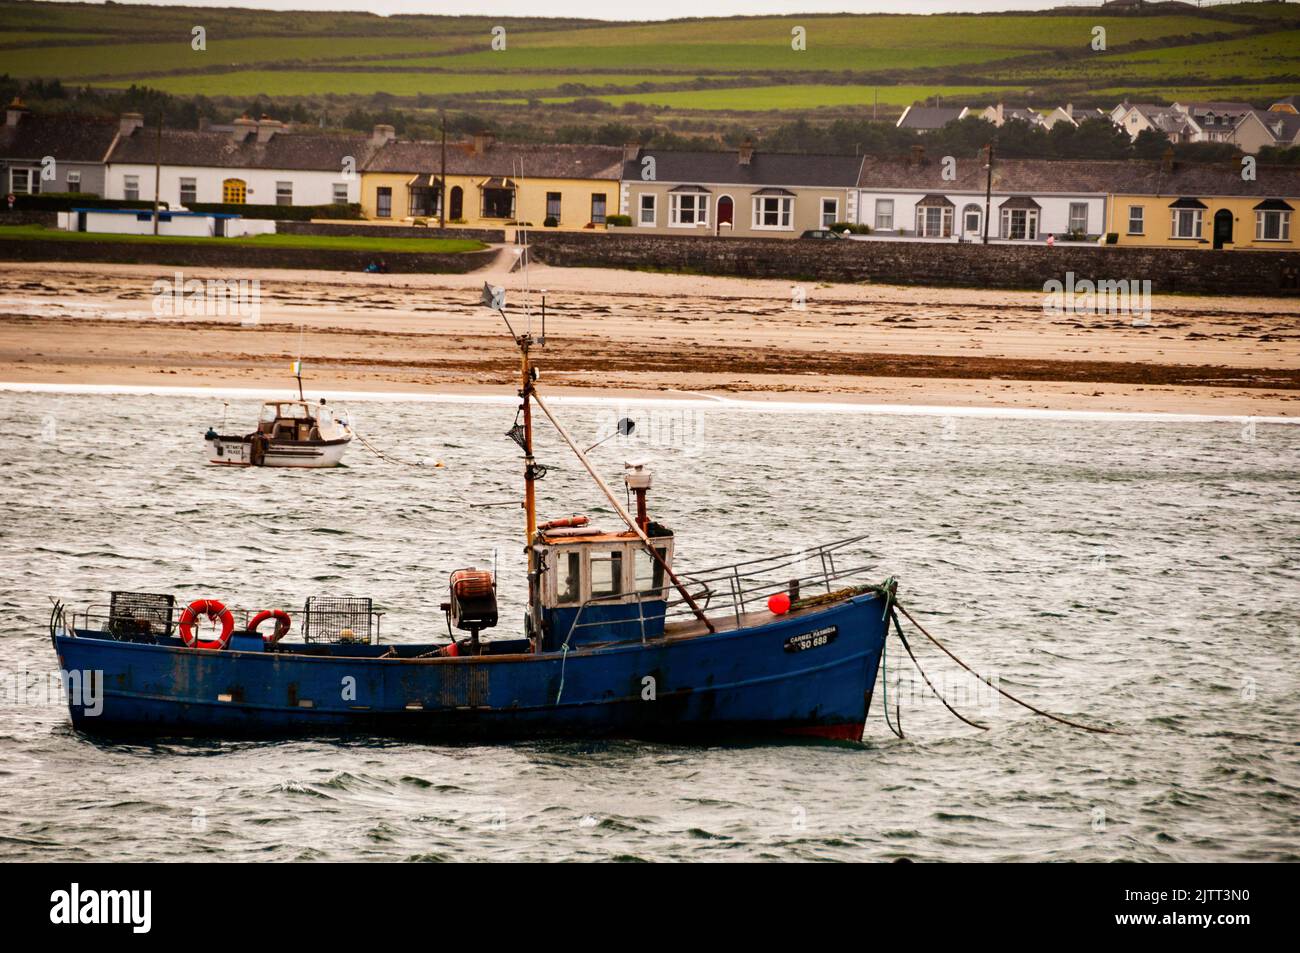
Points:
point(615, 642)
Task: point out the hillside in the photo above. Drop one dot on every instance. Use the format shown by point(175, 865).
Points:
point(670, 72)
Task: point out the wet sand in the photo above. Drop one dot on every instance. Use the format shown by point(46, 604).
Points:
point(642, 334)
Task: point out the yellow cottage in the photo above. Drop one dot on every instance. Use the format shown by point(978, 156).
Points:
point(492, 185)
point(1224, 205)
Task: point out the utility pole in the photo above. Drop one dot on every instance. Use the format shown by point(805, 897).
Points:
point(157, 173)
point(442, 185)
point(988, 189)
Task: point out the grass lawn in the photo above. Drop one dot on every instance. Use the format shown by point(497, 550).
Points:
point(328, 242)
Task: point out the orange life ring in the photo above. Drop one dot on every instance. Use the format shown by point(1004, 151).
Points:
point(215, 611)
point(282, 623)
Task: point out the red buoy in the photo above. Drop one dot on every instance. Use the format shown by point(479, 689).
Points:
point(779, 604)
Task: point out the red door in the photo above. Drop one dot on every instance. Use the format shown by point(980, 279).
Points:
point(725, 209)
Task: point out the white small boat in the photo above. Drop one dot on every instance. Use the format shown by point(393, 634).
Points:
point(290, 433)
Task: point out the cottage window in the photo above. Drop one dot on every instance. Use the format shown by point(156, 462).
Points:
point(234, 191)
point(24, 181)
point(1136, 219)
point(384, 202)
point(131, 188)
point(1079, 218)
point(1273, 226)
point(419, 201)
point(689, 208)
point(884, 215)
point(773, 211)
point(74, 181)
point(189, 193)
point(498, 203)
point(1020, 224)
point(553, 206)
point(649, 213)
point(340, 193)
point(934, 221)
point(598, 208)
point(284, 193)
point(971, 219)
point(1185, 223)
point(830, 212)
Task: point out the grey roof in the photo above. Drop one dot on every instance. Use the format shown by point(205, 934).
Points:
point(67, 138)
point(1284, 127)
point(764, 168)
point(500, 159)
point(295, 151)
point(928, 117)
point(1080, 177)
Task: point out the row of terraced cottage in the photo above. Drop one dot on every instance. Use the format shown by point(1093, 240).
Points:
point(746, 192)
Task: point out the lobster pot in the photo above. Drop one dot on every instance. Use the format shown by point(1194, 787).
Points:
point(339, 619)
point(136, 615)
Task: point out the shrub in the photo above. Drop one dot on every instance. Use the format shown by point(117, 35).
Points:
point(851, 227)
point(65, 201)
point(621, 221)
point(1112, 238)
point(296, 213)
point(551, 221)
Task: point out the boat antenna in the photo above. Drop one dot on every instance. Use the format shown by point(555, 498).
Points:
point(494, 298)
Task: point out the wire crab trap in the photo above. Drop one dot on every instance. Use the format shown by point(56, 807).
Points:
point(333, 619)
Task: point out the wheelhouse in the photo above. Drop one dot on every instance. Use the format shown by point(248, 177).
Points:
point(602, 587)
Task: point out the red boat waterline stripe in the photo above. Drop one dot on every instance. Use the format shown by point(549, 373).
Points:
point(849, 732)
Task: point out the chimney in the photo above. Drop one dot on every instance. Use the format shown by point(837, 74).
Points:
point(242, 127)
point(1167, 161)
point(917, 157)
point(268, 127)
point(129, 123)
point(746, 155)
point(631, 151)
point(382, 134)
point(483, 142)
point(999, 113)
point(14, 114)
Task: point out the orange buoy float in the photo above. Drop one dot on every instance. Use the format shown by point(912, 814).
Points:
point(568, 521)
point(778, 604)
point(215, 611)
point(282, 624)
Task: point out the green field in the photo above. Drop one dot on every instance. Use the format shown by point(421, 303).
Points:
point(1240, 50)
point(321, 242)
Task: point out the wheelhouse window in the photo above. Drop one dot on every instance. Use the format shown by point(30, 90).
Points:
point(933, 221)
point(830, 212)
point(1185, 223)
point(606, 573)
point(689, 208)
point(649, 571)
point(884, 215)
point(1136, 219)
point(233, 191)
point(189, 192)
point(648, 213)
point(598, 208)
point(284, 193)
point(773, 211)
point(1020, 224)
point(1079, 217)
point(568, 579)
point(384, 202)
point(1273, 225)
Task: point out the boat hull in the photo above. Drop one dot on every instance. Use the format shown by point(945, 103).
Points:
point(238, 452)
point(808, 674)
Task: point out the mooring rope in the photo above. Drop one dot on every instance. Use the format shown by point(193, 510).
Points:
point(902, 638)
point(387, 458)
point(997, 688)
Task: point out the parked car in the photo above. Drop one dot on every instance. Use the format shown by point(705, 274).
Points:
point(821, 233)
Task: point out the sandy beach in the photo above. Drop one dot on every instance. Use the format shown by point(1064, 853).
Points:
point(642, 334)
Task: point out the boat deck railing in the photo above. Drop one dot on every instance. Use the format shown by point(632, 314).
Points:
point(727, 593)
point(324, 620)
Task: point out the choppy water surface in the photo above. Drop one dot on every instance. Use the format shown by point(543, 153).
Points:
point(1141, 574)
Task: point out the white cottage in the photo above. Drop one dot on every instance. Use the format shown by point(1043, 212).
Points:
point(246, 163)
point(940, 200)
